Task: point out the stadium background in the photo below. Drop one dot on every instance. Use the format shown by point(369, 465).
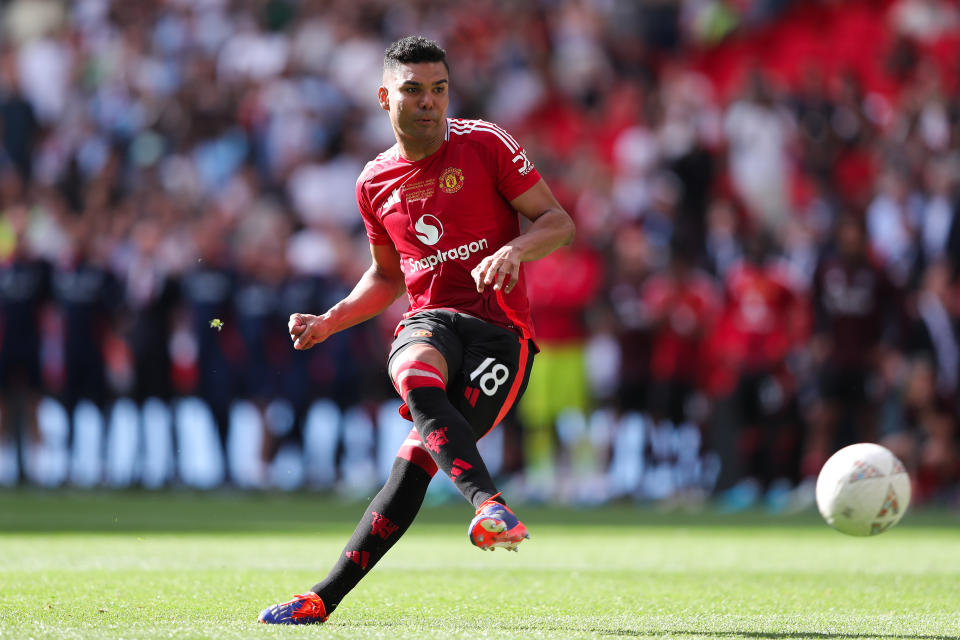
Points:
point(166, 164)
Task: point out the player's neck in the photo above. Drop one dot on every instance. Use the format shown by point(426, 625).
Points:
point(414, 150)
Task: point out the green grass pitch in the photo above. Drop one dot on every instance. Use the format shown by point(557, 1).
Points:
point(183, 565)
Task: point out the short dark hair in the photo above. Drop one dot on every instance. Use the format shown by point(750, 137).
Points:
point(413, 49)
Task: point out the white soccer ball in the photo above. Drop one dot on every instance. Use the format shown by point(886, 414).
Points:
point(863, 490)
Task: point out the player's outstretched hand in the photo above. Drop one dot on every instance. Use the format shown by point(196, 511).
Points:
point(307, 330)
point(500, 269)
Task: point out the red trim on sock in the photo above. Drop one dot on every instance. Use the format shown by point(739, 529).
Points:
point(418, 456)
point(416, 364)
point(414, 375)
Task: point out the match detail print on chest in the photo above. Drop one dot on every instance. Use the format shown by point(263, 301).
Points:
point(419, 191)
point(419, 188)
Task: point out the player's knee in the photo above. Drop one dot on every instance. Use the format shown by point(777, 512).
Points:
point(420, 353)
point(417, 374)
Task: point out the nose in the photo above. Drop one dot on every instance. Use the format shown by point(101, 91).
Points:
point(426, 101)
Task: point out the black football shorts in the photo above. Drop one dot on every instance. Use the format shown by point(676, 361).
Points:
point(488, 366)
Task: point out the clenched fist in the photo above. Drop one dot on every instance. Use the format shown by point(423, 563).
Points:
point(307, 330)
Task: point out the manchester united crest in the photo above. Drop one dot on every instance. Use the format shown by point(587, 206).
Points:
point(451, 180)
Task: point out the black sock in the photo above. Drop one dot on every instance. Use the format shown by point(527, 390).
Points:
point(387, 517)
point(450, 441)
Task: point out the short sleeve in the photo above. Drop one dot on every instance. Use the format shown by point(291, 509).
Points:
point(515, 172)
point(376, 232)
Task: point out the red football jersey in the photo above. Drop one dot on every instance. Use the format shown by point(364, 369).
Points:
point(446, 212)
point(685, 311)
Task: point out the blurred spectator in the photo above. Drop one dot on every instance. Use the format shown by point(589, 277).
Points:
point(855, 123)
point(763, 324)
point(208, 288)
point(920, 422)
point(690, 134)
point(150, 299)
point(24, 291)
point(632, 320)
point(933, 332)
point(723, 238)
point(924, 20)
point(561, 287)
point(309, 375)
point(263, 270)
point(88, 297)
point(856, 329)
point(813, 110)
point(893, 219)
point(923, 434)
point(940, 225)
point(683, 303)
point(759, 132)
point(45, 59)
point(18, 120)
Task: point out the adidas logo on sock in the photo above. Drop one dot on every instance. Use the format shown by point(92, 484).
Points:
point(459, 466)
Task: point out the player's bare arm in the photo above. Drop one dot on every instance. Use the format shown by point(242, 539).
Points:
point(379, 286)
point(552, 228)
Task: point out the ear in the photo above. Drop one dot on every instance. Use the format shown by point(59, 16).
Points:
point(384, 98)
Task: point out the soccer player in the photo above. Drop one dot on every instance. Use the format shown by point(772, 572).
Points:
point(440, 209)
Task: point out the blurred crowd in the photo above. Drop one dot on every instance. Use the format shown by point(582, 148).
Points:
point(771, 257)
